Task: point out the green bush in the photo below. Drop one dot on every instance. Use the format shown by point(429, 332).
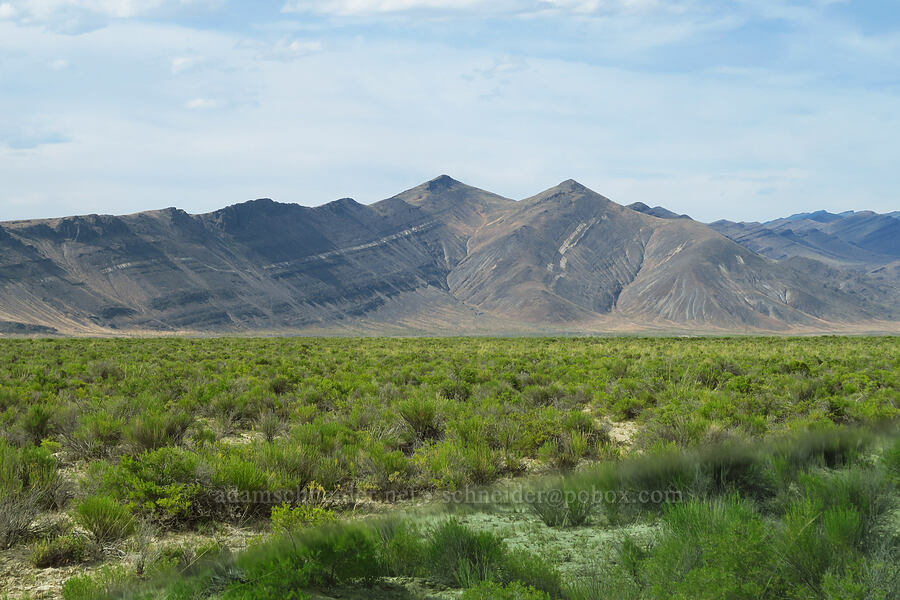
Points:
point(532, 570)
point(737, 468)
point(277, 575)
point(564, 504)
point(891, 461)
point(270, 425)
point(287, 518)
point(866, 491)
point(94, 435)
point(234, 472)
point(345, 554)
point(105, 370)
point(291, 465)
point(105, 519)
point(63, 550)
point(29, 483)
point(488, 590)
point(460, 556)
point(389, 472)
point(184, 558)
point(27, 468)
point(325, 556)
point(403, 548)
point(422, 415)
point(168, 485)
point(100, 584)
point(36, 423)
point(709, 549)
point(151, 431)
point(481, 464)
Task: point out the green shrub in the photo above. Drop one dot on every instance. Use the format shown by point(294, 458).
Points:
point(184, 558)
point(456, 390)
point(290, 465)
point(344, 554)
point(105, 370)
point(460, 556)
point(325, 556)
point(565, 504)
point(100, 584)
point(422, 415)
point(95, 435)
point(866, 491)
point(488, 590)
point(29, 483)
point(682, 430)
point(167, 485)
point(570, 448)
point(403, 548)
point(388, 470)
point(37, 422)
point(280, 385)
point(279, 574)
point(709, 549)
point(481, 464)
point(63, 550)
point(240, 474)
point(830, 448)
point(891, 461)
point(532, 570)
point(105, 519)
point(603, 584)
point(631, 555)
point(270, 425)
point(27, 468)
point(287, 518)
point(151, 431)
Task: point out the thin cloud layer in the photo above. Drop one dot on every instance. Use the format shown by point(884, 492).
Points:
point(81, 16)
point(483, 7)
point(744, 110)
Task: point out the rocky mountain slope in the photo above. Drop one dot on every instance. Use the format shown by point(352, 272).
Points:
point(443, 257)
point(860, 240)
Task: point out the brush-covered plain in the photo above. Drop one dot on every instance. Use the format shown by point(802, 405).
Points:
point(110, 446)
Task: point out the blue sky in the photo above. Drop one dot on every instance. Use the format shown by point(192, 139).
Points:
point(746, 110)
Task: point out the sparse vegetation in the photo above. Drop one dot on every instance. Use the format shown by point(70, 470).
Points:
point(826, 530)
point(289, 435)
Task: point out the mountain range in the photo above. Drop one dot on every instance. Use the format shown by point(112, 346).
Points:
point(448, 258)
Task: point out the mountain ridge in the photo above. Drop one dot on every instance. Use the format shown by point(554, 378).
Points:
point(442, 257)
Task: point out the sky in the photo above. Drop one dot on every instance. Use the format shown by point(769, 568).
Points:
point(737, 109)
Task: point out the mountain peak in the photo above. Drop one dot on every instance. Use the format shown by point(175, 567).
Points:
point(657, 211)
point(569, 188)
point(343, 202)
point(570, 185)
point(441, 183)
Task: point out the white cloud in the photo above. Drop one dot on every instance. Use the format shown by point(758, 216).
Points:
point(521, 7)
point(304, 46)
point(365, 115)
point(185, 63)
point(356, 7)
point(59, 64)
point(288, 49)
point(284, 49)
point(79, 16)
point(203, 104)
